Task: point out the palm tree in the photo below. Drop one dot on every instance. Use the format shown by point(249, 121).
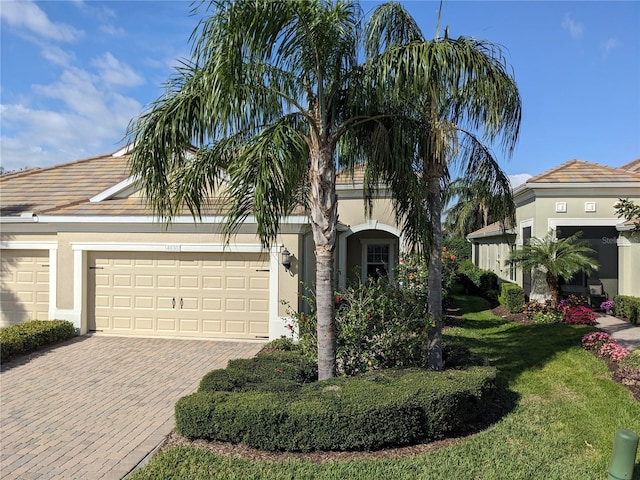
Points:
point(475, 206)
point(557, 257)
point(271, 90)
point(465, 88)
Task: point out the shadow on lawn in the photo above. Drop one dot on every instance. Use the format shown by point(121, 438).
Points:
point(513, 347)
point(509, 346)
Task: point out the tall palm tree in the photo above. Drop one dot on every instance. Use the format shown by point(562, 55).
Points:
point(271, 90)
point(475, 206)
point(557, 257)
point(464, 88)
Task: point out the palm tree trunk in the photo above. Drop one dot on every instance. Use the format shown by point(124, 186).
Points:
point(552, 283)
point(324, 214)
point(435, 275)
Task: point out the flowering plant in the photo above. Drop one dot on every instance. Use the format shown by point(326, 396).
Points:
point(579, 315)
point(604, 345)
point(614, 351)
point(595, 340)
point(607, 305)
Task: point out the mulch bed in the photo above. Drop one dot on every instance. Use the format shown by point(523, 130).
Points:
point(244, 452)
point(248, 453)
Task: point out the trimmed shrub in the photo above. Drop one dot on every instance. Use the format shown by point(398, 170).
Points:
point(273, 372)
point(378, 325)
point(478, 281)
point(512, 297)
point(375, 410)
point(29, 336)
point(626, 306)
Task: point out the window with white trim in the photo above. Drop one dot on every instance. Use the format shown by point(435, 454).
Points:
point(377, 258)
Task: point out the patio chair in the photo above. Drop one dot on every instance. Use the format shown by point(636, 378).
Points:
point(597, 295)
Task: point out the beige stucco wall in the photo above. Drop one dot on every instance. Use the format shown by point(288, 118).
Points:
point(629, 264)
point(72, 240)
point(494, 254)
point(351, 211)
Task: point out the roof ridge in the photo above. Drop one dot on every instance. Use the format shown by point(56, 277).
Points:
point(632, 175)
point(552, 170)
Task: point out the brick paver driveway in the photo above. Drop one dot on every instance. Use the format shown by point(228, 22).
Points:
point(94, 407)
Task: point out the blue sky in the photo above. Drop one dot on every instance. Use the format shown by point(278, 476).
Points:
point(74, 73)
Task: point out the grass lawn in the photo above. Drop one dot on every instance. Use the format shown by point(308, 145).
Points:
point(564, 412)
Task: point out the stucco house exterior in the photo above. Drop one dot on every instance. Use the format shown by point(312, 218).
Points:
point(78, 243)
point(574, 196)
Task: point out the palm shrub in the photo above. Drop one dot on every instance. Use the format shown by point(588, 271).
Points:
point(556, 257)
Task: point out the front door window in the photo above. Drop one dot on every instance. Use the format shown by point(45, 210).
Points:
point(378, 256)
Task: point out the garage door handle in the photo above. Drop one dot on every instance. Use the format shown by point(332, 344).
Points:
point(173, 302)
point(181, 303)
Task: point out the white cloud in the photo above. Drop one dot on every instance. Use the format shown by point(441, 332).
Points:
point(92, 119)
point(609, 45)
point(114, 72)
point(26, 15)
point(112, 30)
point(57, 55)
point(518, 179)
point(574, 28)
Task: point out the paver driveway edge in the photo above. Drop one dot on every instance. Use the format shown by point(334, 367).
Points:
point(96, 407)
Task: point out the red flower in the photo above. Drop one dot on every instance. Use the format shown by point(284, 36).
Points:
point(338, 298)
point(280, 370)
point(368, 316)
point(290, 327)
point(303, 318)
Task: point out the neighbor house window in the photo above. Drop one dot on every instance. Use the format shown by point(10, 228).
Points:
point(377, 258)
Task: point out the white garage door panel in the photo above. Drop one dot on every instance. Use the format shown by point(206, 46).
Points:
point(222, 295)
point(24, 293)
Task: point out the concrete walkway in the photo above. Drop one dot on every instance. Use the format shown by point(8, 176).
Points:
point(625, 334)
point(94, 407)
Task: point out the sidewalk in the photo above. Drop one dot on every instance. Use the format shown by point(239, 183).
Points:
point(625, 334)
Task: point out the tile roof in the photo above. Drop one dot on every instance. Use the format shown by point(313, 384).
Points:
point(493, 229)
point(579, 171)
point(66, 189)
point(41, 190)
point(633, 166)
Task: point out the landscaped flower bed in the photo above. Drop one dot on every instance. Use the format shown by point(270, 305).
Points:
point(624, 364)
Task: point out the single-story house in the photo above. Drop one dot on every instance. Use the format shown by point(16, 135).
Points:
point(575, 196)
point(78, 243)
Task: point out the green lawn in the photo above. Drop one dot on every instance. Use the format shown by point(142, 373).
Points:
point(564, 411)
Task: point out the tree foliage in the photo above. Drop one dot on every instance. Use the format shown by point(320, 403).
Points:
point(628, 210)
point(557, 257)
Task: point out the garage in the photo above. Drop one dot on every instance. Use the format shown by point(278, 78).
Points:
point(25, 286)
point(203, 295)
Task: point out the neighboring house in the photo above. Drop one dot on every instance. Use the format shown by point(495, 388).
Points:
point(78, 243)
point(575, 196)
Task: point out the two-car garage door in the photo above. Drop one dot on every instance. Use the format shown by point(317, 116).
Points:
point(205, 295)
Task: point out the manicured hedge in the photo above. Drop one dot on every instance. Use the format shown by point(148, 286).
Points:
point(277, 371)
point(512, 297)
point(378, 409)
point(628, 307)
point(29, 336)
point(478, 281)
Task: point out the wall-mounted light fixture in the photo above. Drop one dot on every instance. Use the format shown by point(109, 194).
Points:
point(286, 259)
